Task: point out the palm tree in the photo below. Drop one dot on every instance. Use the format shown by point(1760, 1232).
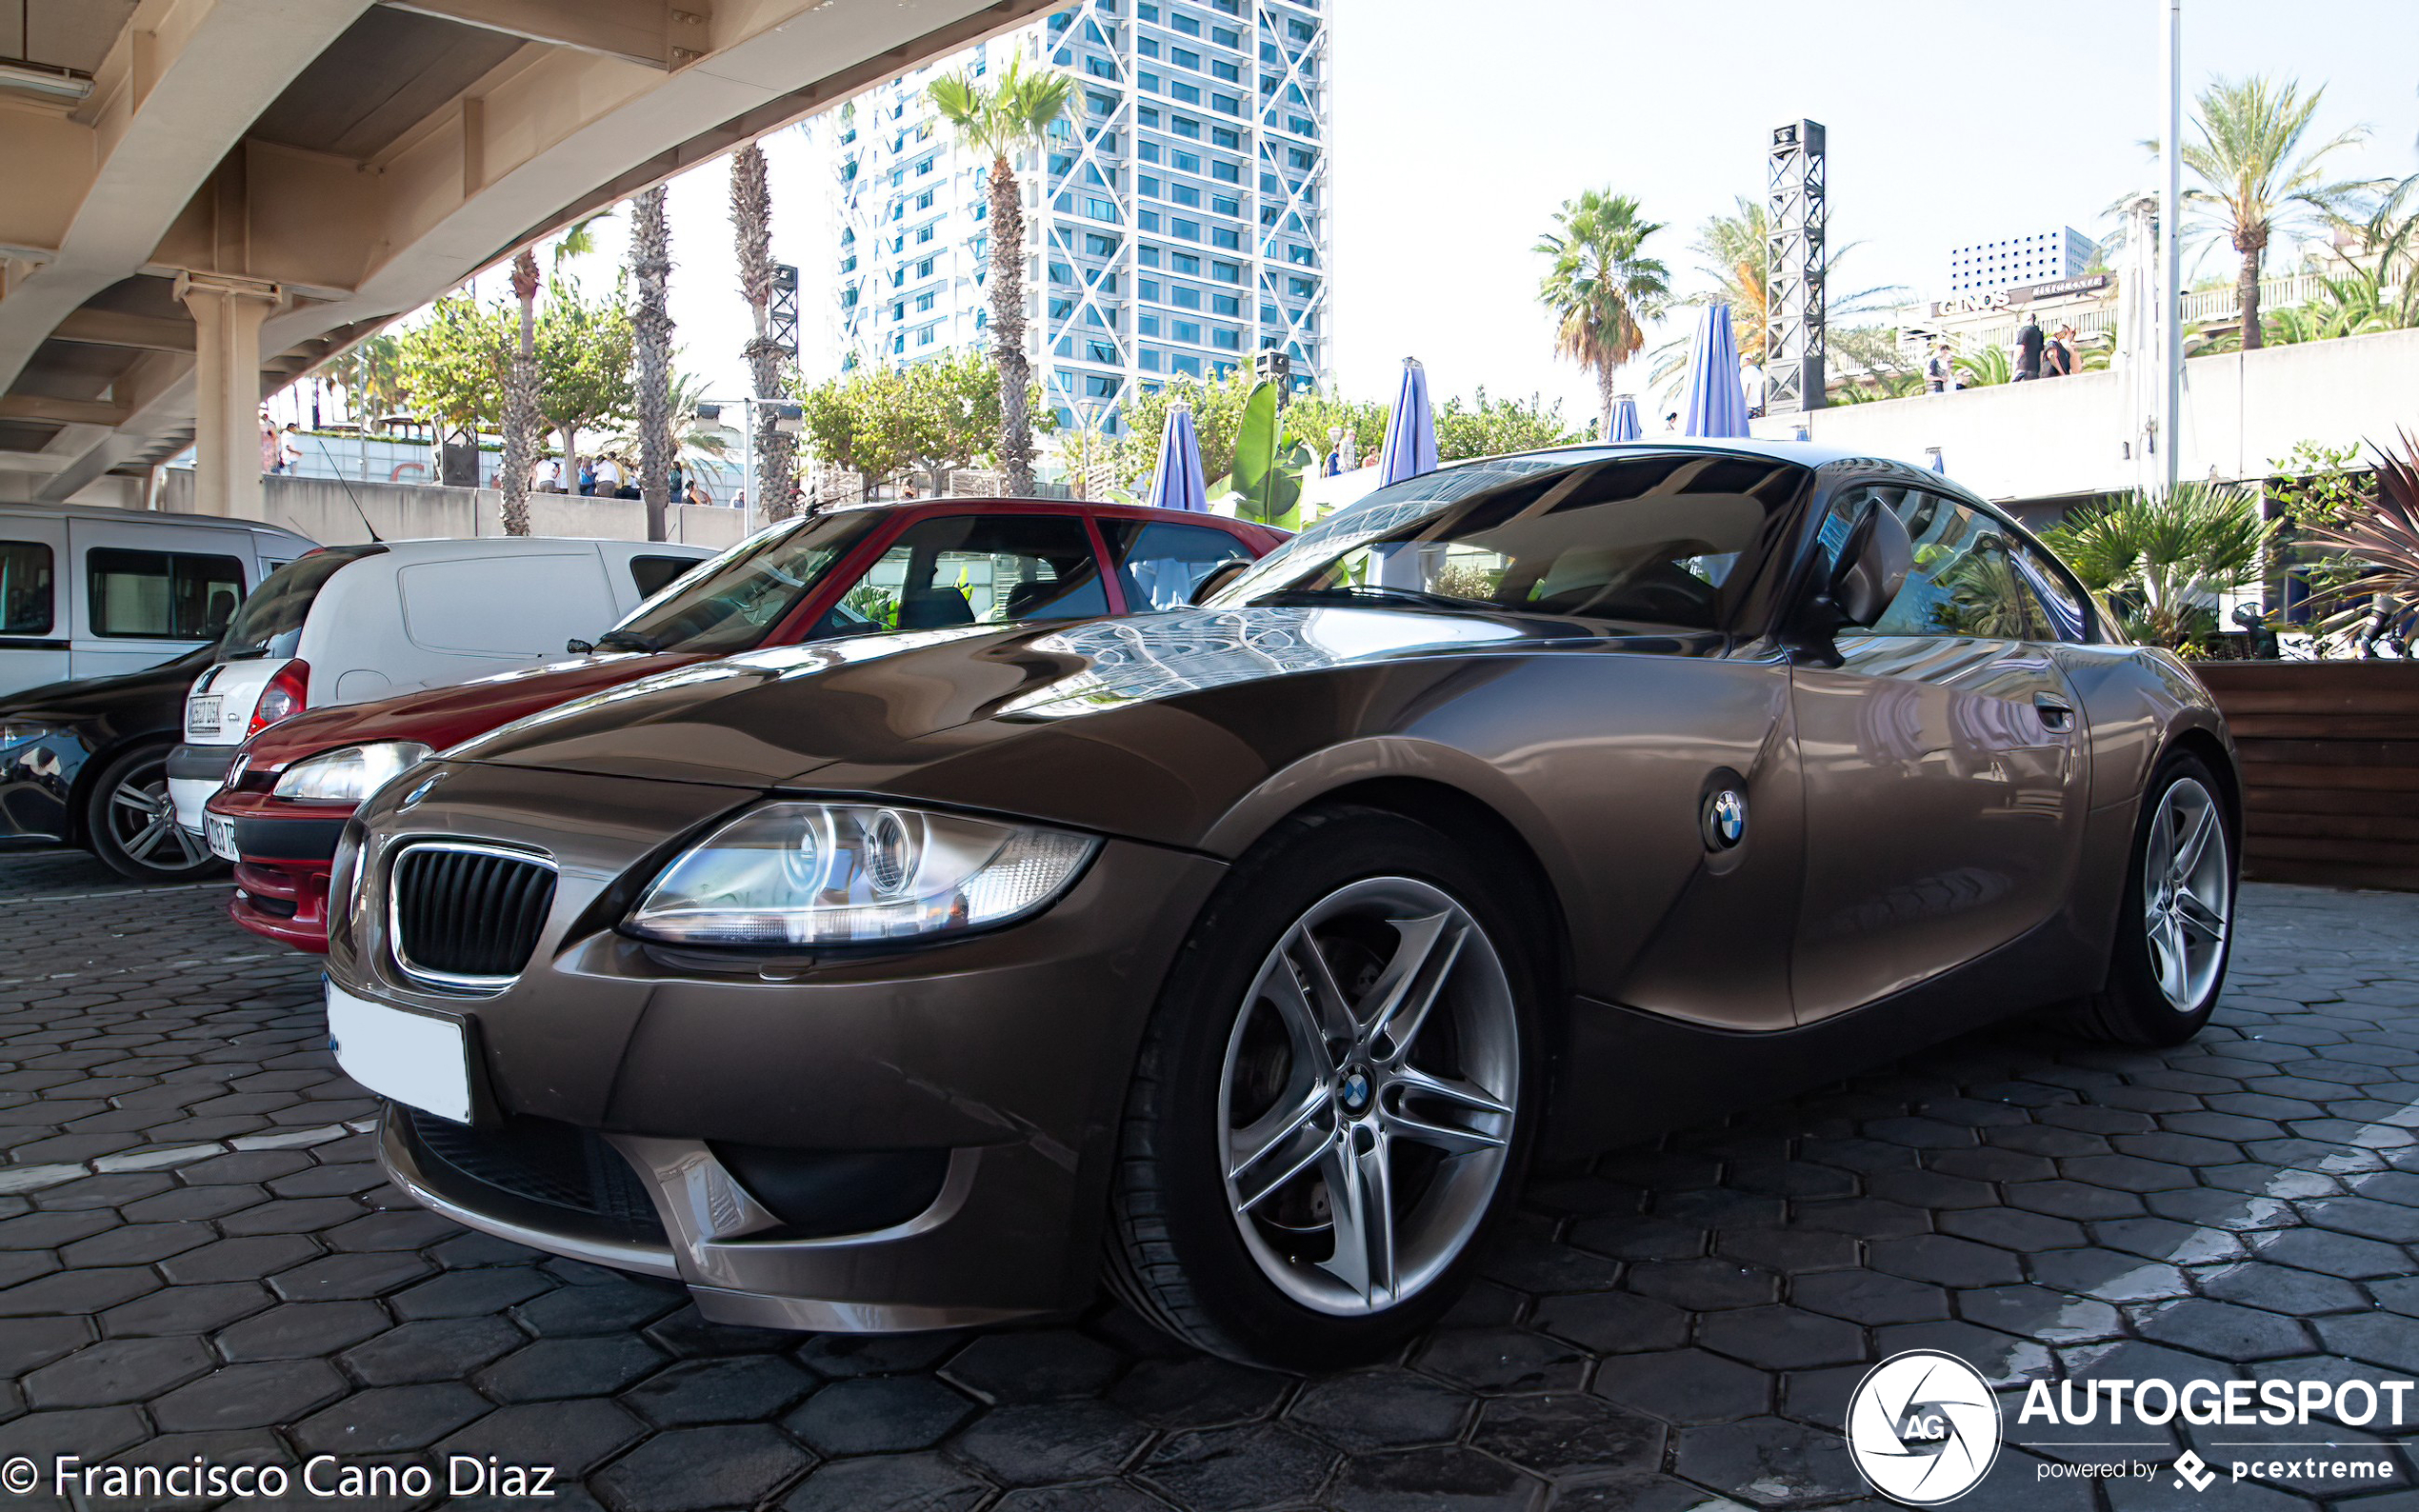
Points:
point(651, 261)
point(1003, 120)
point(1600, 285)
point(751, 218)
point(371, 377)
point(2169, 555)
point(2256, 178)
point(521, 423)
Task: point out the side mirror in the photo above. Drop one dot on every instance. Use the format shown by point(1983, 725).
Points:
point(579, 648)
point(1874, 564)
point(1217, 577)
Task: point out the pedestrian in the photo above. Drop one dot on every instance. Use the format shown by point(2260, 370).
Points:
point(1752, 387)
point(2029, 349)
point(2057, 359)
point(273, 459)
point(608, 476)
point(739, 500)
point(1940, 370)
point(289, 447)
point(587, 476)
point(549, 476)
point(1672, 420)
point(628, 476)
point(697, 494)
point(680, 483)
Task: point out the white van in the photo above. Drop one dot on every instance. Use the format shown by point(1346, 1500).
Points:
point(94, 593)
point(354, 623)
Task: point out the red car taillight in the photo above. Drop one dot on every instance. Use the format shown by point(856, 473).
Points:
point(285, 697)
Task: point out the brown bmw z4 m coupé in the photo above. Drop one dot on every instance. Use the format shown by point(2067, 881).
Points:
point(1244, 952)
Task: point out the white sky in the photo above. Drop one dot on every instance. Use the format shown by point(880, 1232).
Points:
point(1457, 129)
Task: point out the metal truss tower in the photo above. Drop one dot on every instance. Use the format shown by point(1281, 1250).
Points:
point(1793, 319)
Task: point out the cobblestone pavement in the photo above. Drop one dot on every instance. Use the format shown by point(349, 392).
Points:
point(198, 1256)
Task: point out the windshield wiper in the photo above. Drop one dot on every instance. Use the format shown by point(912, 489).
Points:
point(1367, 593)
point(625, 641)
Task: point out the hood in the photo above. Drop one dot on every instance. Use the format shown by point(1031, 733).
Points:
point(771, 716)
point(115, 697)
point(445, 716)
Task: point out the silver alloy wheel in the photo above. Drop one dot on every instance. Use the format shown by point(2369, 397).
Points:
point(142, 820)
point(1368, 1099)
point(2187, 892)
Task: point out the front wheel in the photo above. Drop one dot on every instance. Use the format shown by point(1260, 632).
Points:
point(130, 822)
point(1334, 1097)
point(2176, 926)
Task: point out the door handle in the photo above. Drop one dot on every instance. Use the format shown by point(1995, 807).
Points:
point(2057, 715)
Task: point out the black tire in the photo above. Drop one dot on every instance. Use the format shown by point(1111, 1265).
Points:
point(135, 845)
point(2132, 1006)
point(1176, 1248)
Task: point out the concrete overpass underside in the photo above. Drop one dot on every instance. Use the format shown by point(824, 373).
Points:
point(208, 198)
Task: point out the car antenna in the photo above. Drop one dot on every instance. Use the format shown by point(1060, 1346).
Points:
point(374, 538)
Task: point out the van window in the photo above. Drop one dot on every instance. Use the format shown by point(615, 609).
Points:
point(25, 588)
point(162, 595)
point(520, 605)
point(652, 574)
point(270, 621)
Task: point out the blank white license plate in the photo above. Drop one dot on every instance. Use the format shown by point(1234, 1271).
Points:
point(417, 1059)
point(201, 714)
point(219, 834)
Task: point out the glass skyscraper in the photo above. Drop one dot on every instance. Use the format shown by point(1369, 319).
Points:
point(1176, 219)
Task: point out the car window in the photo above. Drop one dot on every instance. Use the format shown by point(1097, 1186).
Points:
point(271, 621)
point(652, 574)
point(2068, 612)
point(521, 604)
point(162, 595)
point(734, 600)
point(1159, 565)
point(974, 569)
point(26, 595)
point(1964, 580)
point(1661, 541)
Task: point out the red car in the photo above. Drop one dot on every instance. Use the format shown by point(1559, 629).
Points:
point(873, 569)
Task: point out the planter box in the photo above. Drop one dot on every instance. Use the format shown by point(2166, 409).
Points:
point(2331, 768)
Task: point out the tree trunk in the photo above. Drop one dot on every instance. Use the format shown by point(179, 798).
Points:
point(1008, 330)
point(2246, 290)
point(652, 260)
point(752, 219)
point(1605, 376)
point(522, 426)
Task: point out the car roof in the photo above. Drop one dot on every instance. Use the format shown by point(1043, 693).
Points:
point(958, 505)
point(454, 549)
point(1806, 454)
point(110, 513)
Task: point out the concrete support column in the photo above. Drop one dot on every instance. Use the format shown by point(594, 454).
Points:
point(228, 312)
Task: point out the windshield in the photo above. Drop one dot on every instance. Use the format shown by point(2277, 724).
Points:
point(732, 602)
point(271, 621)
point(1666, 541)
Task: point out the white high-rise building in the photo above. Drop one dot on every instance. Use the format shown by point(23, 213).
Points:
point(2034, 257)
point(1176, 219)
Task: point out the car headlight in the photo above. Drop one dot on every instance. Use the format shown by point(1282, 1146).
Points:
point(349, 775)
point(836, 874)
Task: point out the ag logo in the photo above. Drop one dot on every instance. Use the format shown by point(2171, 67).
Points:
point(1923, 1427)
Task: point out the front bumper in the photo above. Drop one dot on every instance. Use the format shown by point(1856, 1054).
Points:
point(281, 883)
point(194, 772)
point(1001, 1059)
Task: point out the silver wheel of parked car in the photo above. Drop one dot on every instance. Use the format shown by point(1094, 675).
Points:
point(132, 822)
point(1369, 1096)
point(2187, 893)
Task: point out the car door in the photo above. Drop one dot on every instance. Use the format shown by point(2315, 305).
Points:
point(1942, 759)
point(33, 611)
point(151, 592)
